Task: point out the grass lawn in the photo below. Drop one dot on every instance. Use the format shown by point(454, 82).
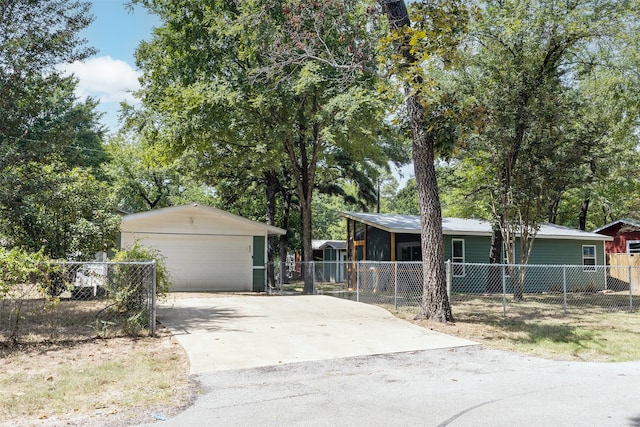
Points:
point(116, 381)
point(583, 334)
point(596, 327)
point(75, 364)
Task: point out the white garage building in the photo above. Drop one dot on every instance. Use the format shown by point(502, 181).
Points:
point(206, 249)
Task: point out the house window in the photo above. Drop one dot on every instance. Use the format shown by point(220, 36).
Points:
point(457, 257)
point(409, 251)
point(633, 246)
point(588, 258)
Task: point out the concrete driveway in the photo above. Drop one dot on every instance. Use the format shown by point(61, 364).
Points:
point(233, 332)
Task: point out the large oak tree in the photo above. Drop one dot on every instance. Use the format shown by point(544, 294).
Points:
point(275, 91)
point(420, 51)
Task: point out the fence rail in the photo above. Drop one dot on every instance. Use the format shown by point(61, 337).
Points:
point(543, 288)
point(80, 299)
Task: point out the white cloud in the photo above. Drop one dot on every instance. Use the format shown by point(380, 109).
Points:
point(105, 78)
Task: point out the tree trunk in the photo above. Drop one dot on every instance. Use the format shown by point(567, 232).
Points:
point(505, 219)
point(552, 217)
point(582, 218)
point(284, 239)
point(307, 249)
point(302, 147)
point(584, 208)
point(305, 177)
point(494, 279)
point(271, 190)
point(435, 301)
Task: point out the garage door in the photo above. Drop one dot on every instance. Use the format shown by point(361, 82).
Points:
point(205, 263)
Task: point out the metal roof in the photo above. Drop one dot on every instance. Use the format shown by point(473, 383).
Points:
point(194, 207)
point(410, 224)
point(322, 244)
point(625, 221)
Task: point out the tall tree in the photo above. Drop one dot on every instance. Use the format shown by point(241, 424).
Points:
point(144, 178)
point(267, 89)
point(422, 50)
point(67, 212)
point(50, 144)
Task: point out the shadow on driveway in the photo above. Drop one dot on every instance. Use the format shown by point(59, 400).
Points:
point(188, 319)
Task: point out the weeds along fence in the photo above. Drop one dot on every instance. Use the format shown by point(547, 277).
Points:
point(78, 300)
point(503, 288)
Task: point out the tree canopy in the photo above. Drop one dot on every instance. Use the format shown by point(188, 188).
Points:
point(50, 143)
point(272, 92)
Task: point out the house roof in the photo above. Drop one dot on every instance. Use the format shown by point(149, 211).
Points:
point(322, 244)
point(122, 212)
point(208, 210)
point(633, 223)
point(410, 224)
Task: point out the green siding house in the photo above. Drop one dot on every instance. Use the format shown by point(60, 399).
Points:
point(394, 237)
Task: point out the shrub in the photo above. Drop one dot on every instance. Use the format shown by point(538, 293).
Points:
point(140, 253)
point(23, 276)
point(128, 286)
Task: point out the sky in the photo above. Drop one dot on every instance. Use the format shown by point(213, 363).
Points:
point(111, 74)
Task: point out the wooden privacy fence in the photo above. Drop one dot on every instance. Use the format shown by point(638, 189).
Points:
point(625, 275)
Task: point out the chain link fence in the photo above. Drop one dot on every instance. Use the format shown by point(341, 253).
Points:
point(531, 290)
point(80, 300)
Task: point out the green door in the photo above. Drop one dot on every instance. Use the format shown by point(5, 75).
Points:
point(259, 278)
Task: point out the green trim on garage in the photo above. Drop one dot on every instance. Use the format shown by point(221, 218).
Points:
point(259, 263)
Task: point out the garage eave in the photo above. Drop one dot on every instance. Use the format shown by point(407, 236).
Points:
point(132, 222)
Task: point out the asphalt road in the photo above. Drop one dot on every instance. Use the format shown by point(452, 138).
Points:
point(464, 386)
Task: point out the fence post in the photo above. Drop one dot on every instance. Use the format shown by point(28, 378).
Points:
point(357, 282)
point(630, 291)
point(448, 276)
point(564, 289)
point(395, 284)
point(314, 291)
point(504, 291)
point(282, 273)
point(152, 311)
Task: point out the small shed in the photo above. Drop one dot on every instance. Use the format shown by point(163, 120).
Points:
point(206, 249)
point(333, 257)
point(329, 250)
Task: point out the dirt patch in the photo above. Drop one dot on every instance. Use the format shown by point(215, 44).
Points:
point(115, 398)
